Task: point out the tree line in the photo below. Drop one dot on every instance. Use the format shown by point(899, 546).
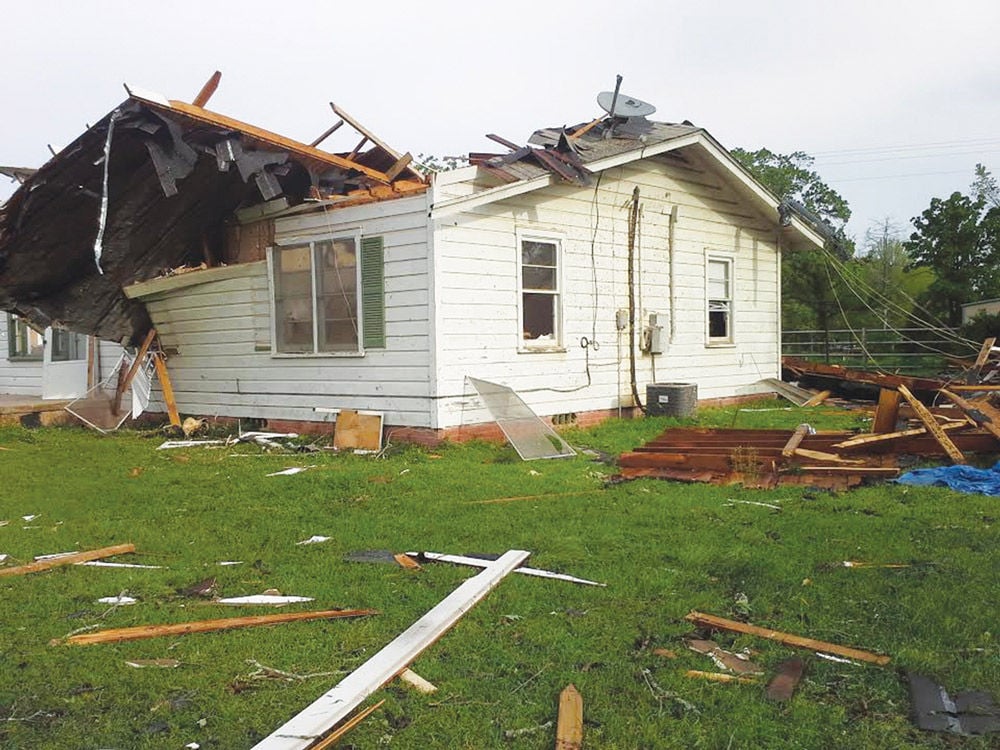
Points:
point(950, 257)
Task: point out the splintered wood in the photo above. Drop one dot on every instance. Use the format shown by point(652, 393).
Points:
point(569, 726)
point(932, 426)
point(141, 632)
point(720, 623)
point(73, 559)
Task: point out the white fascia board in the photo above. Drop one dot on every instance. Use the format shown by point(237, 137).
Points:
point(466, 202)
point(451, 176)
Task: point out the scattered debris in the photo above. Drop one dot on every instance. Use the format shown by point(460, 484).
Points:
point(172, 444)
point(289, 472)
point(417, 682)
point(206, 589)
point(106, 564)
point(264, 599)
point(723, 659)
point(666, 653)
point(117, 601)
point(661, 695)
point(262, 672)
point(302, 730)
point(360, 431)
point(545, 496)
point(719, 677)
point(162, 663)
point(191, 425)
point(141, 632)
point(964, 714)
point(837, 659)
point(512, 734)
point(483, 562)
point(68, 559)
point(720, 623)
point(783, 684)
point(752, 502)
point(335, 736)
point(315, 539)
point(229, 562)
point(856, 564)
point(30, 518)
point(405, 561)
point(569, 727)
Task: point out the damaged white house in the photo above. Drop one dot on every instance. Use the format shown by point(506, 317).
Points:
point(576, 269)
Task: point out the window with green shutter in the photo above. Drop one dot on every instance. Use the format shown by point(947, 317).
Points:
point(328, 296)
point(373, 292)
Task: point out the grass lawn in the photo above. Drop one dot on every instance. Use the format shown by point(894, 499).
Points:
point(663, 548)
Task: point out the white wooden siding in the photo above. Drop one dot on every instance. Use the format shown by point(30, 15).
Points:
point(476, 261)
point(219, 333)
point(17, 378)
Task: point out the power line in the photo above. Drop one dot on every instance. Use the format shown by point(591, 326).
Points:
point(907, 147)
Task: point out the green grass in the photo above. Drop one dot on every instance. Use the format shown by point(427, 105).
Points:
point(664, 549)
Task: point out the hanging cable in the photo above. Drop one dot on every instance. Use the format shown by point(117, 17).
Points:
point(633, 224)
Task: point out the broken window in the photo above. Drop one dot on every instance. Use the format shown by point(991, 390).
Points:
point(23, 341)
point(540, 298)
point(318, 305)
point(719, 288)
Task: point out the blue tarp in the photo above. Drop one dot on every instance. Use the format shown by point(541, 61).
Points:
point(958, 478)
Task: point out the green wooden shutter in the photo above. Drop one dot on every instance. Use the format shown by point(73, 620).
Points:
point(11, 337)
point(373, 292)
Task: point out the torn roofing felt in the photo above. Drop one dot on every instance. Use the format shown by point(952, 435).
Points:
point(175, 175)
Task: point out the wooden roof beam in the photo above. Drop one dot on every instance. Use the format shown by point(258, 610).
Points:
point(207, 90)
point(365, 131)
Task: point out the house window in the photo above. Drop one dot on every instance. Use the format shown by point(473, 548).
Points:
point(719, 288)
point(23, 341)
point(68, 346)
point(318, 289)
point(540, 297)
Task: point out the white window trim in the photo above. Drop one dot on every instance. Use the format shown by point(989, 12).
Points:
point(527, 347)
point(354, 234)
point(729, 341)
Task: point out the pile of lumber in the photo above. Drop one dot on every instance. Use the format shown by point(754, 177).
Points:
point(834, 460)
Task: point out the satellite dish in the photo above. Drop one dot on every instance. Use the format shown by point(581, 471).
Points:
point(626, 106)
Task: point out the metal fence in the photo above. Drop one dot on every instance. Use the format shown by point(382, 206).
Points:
point(903, 350)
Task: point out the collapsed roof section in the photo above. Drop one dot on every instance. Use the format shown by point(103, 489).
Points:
point(149, 187)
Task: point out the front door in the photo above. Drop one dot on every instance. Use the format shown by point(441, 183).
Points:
point(64, 366)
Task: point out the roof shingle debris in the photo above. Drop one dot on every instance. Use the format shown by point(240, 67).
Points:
point(567, 151)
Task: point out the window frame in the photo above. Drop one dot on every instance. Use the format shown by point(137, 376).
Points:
point(730, 264)
point(18, 334)
point(350, 234)
point(533, 345)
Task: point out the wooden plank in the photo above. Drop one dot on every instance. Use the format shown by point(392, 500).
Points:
point(569, 725)
point(77, 557)
point(720, 623)
point(720, 677)
point(793, 442)
point(302, 730)
point(168, 390)
point(417, 682)
point(871, 438)
point(335, 736)
point(207, 90)
point(824, 456)
point(141, 632)
point(401, 163)
point(932, 426)
point(782, 685)
point(984, 353)
point(327, 133)
point(818, 399)
point(586, 128)
point(980, 412)
point(365, 131)
point(887, 411)
point(116, 404)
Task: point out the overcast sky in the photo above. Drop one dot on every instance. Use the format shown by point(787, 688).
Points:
point(896, 100)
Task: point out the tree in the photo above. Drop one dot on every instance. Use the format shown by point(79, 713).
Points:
point(958, 238)
point(809, 297)
point(889, 283)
